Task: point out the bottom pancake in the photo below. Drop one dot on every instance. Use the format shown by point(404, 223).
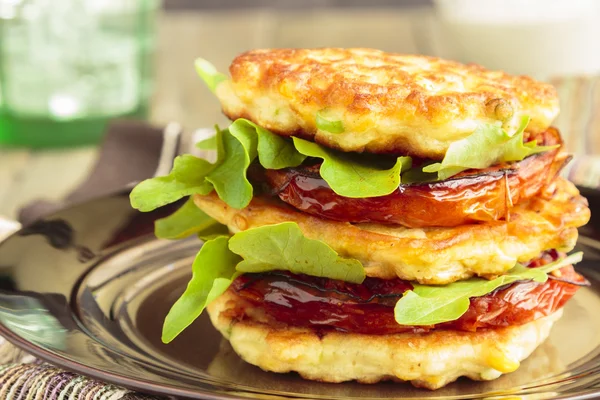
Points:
point(430, 360)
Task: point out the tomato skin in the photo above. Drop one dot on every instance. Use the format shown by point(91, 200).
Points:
point(518, 303)
point(324, 304)
point(471, 196)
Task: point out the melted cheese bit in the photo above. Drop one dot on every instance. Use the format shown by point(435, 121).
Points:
point(501, 361)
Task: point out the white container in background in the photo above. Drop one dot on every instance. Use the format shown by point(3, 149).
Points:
point(541, 38)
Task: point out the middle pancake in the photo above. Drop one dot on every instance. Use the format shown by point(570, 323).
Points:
point(430, 255)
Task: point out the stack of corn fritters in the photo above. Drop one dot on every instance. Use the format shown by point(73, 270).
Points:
point(436, 181)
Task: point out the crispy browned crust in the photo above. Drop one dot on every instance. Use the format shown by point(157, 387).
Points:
point(430, 255)
point(430, 360)
point(388, 103)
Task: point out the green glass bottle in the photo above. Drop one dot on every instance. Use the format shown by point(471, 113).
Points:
point(67, 67)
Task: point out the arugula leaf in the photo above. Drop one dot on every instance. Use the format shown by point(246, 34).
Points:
point(328, 125)
point(208, 143)
point(192, 175)
point(274, 152)
point(209, 74)
point(488, 145)
point(228, 177)
point(237, 147)
point(213, 271)
point(267, 248)
point(350, 178)
point(284, 247)
point(430, 305)
point(417, 175)
point(240, 144)
point(568, 260)
point(212, 232)
point(187, 220)
point(186, 178)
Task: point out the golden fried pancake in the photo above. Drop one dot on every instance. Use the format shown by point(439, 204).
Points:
point(430, 360)
point(387, 103)
point(429, 255)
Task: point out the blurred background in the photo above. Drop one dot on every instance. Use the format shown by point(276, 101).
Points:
point(67, 67)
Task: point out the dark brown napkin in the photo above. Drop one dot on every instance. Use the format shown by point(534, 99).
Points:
point(131, 152)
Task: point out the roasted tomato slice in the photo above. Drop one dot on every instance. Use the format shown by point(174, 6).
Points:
point(305, 301)
point(473, 195)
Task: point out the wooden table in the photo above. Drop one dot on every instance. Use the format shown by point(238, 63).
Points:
point(180, 95)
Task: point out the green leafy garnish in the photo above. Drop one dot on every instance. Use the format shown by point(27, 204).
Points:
point(209, 74)
point(187, 177)
point(274, 152)
point(208, 143)
point(284, 247)
point(268, 248)
point(211, 232)
point(488, 145)
point(187, 220)
point(349, 177)
point(240, 144)
point(328, 125)
point(430, 305)
point(417, 175)
point(213, 271)
point(237, 146)
point(228, 176)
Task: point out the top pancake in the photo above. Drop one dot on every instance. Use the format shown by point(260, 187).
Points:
point(388, 103)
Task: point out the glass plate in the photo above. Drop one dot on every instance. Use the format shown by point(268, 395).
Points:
point(88, 287)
